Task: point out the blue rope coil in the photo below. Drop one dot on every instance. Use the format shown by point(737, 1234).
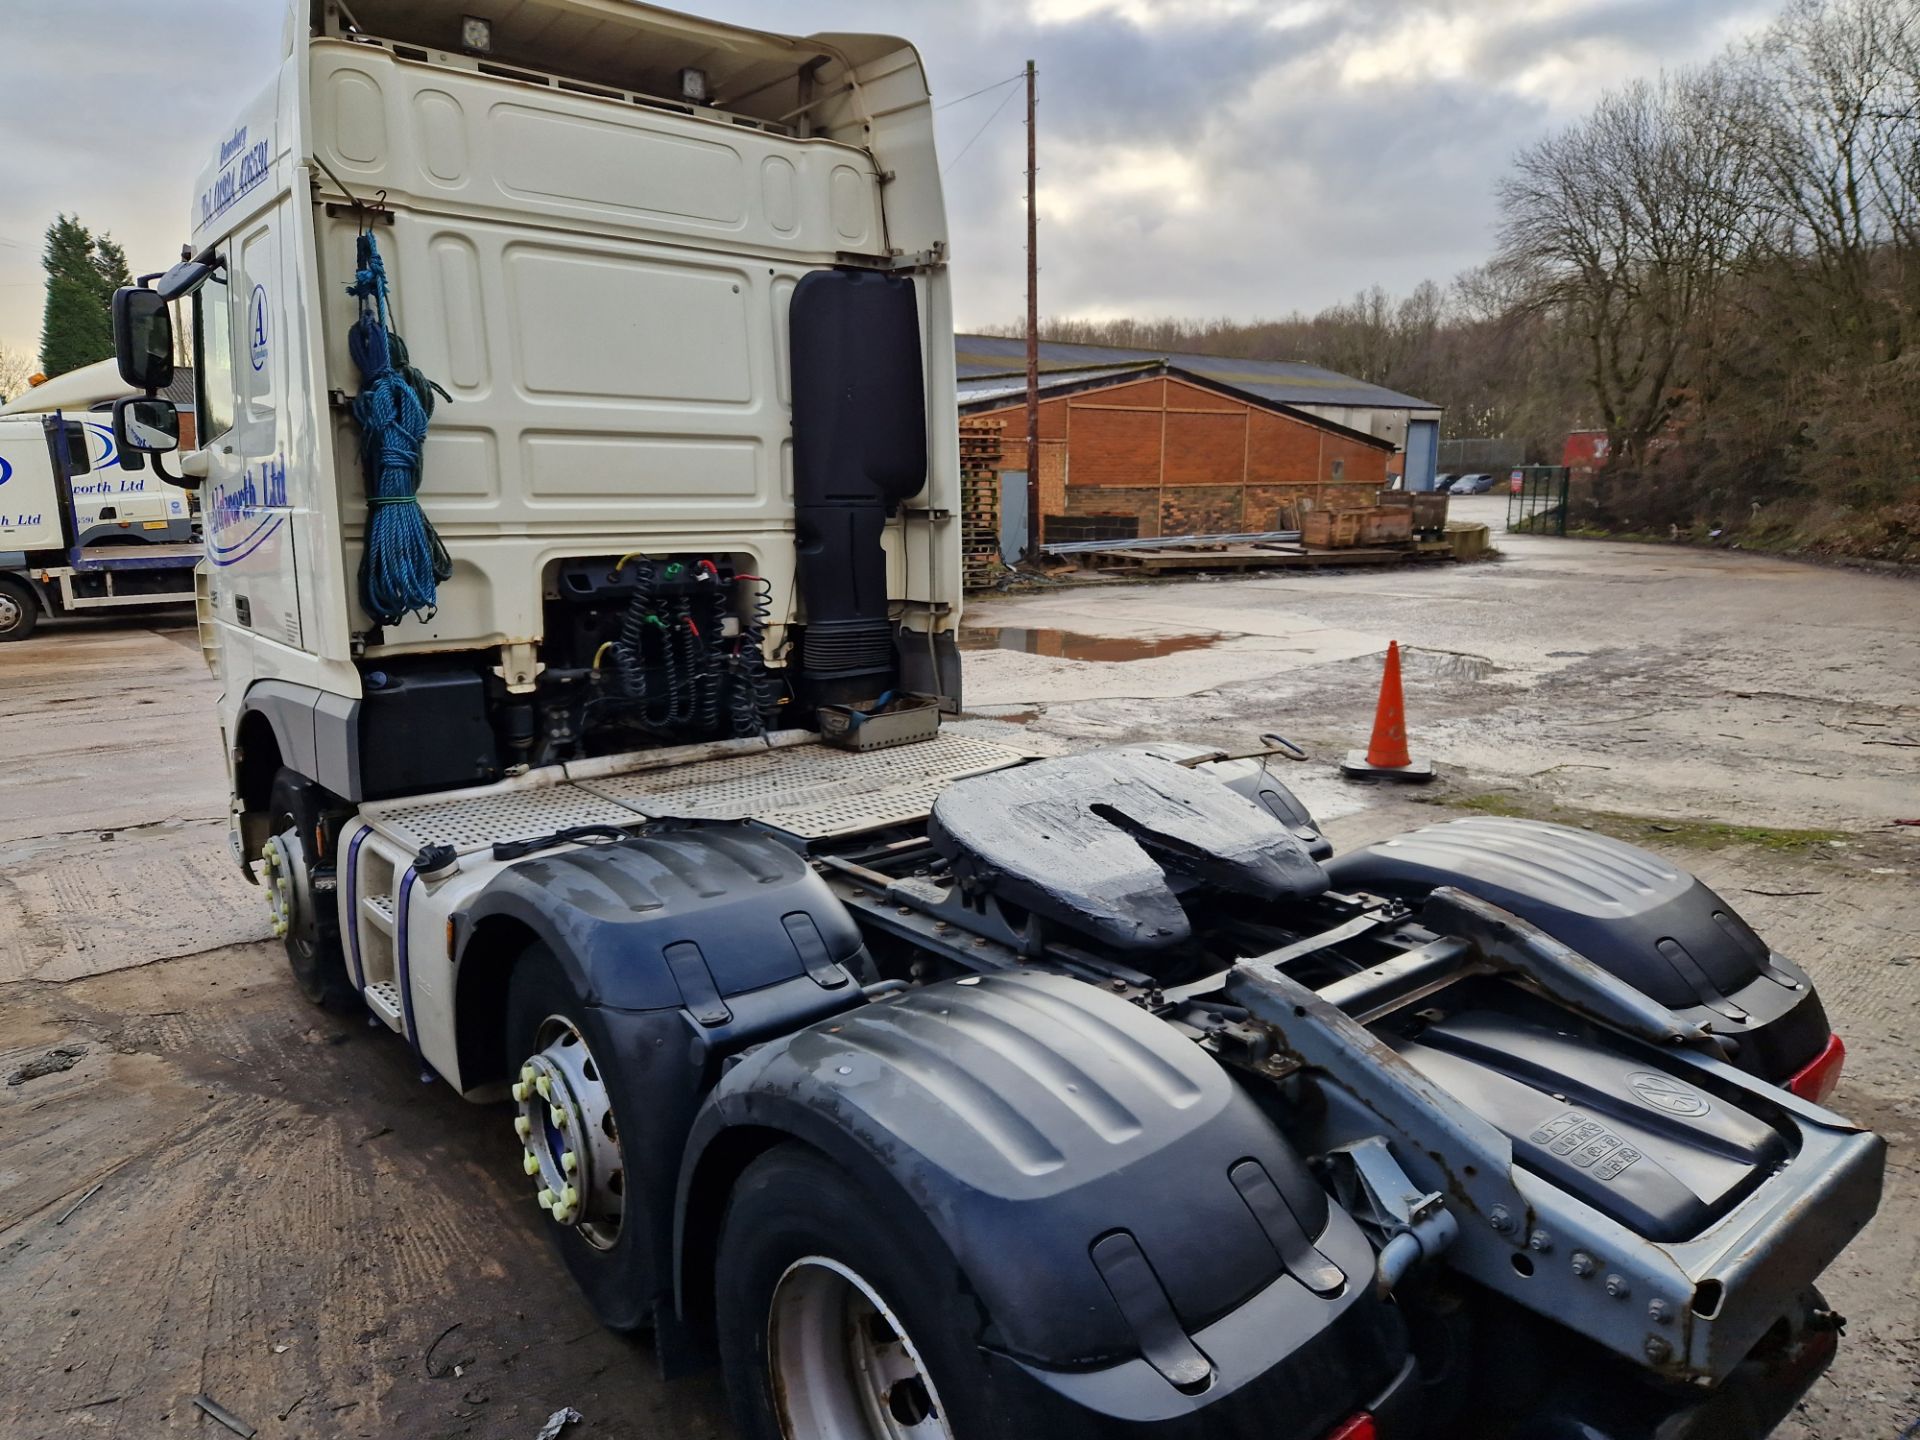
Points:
point(403, 562)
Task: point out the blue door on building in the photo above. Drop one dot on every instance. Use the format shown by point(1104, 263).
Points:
point(1423, 450)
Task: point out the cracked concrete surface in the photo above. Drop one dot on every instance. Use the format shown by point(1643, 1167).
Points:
point(287, 1219)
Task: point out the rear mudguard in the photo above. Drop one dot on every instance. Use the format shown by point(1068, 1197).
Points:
point(1690, 1303)
point(1116, 1203)
point(1628, 911)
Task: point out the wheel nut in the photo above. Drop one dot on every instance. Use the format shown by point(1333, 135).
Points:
point(529, 1162)
point(544, 1199)
point(569, 1162)
point(522, 1126)
point(527, 1072)
point(569, 1197)
point(544, 1086)
point(558, 1116)
point(519, 1091)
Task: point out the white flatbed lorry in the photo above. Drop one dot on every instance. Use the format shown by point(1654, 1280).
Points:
point(932, 1089)
point(80, 533)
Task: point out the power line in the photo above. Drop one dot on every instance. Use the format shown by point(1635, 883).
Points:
point(1019, 75)
point(983, 129)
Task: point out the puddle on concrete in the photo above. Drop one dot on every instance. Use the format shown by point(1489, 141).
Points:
point(1011, 714)
point(1076, 645)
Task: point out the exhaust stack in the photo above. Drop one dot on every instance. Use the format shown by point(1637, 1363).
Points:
point(859, 449)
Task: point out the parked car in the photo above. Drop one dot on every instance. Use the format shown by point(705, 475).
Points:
point(1442, 483)
point(1478, 484)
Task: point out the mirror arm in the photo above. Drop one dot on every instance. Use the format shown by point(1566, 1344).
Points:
point(183, 480)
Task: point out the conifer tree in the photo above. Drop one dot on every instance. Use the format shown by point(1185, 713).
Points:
point(82, 273)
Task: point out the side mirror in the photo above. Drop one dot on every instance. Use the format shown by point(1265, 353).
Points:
point(182, 280)
point(143, 340)
point(146, 425)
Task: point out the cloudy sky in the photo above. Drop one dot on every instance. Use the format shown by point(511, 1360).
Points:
point(1198, 157)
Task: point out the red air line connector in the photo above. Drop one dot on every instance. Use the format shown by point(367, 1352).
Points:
point(1817, 1079)
point(1360, 1427)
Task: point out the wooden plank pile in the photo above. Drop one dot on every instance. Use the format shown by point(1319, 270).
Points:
point(1202, 556)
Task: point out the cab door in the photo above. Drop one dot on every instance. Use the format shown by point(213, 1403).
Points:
point(249, 515)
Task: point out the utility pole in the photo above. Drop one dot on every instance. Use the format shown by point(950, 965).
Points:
point(1033, 335)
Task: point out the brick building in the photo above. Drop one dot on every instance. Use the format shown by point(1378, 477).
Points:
point(1152, 449)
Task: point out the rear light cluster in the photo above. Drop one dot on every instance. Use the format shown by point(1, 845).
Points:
point(1816, 1081)
point(1360, 1427)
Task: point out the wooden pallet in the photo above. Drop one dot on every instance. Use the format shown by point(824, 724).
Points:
point(980, 453)
point(1237, 557)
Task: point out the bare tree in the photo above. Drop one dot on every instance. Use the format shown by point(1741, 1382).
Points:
point(16, 367)
point(1841, 80)
point(1629, 223)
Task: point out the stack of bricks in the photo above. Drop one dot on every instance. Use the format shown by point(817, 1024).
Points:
point(980, 502)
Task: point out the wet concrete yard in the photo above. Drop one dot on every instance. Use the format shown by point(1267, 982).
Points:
point(289, 1221)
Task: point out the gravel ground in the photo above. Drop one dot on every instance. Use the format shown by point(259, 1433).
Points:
point(288, 1221)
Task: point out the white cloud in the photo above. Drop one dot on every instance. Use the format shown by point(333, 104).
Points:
point(1197, 156)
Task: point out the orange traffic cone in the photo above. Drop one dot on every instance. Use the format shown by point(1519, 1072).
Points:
point(1386, 756)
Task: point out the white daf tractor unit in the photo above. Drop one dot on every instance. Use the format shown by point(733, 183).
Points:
point(929, 1088)
point(80, 532)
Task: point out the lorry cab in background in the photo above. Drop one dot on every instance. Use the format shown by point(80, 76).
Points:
point(116, 499)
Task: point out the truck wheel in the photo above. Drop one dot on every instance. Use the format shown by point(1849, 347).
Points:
point(302, 898)
point(836, 1324)
point(568, 1119)
point(19, 610)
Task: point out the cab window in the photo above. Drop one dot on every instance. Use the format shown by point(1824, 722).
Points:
point(213, 357)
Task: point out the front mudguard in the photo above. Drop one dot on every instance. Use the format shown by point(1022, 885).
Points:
point(1024, 1117)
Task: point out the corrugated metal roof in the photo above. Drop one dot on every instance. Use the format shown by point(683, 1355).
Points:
point(1282, 381)
point(1005, 387)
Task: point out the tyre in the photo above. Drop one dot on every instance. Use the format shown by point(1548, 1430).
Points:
point(559, 1048)
point(303, 896)
point(19, 610)
point(836, 1321)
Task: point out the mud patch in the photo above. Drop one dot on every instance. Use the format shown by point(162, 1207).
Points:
point(57, 1061)
point(1078, 645)
point(1675, 832)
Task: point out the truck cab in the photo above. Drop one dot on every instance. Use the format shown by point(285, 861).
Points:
point(692, 183)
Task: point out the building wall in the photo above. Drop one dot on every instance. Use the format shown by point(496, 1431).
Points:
point(1178, 459)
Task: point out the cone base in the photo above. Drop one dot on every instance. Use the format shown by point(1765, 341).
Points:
point(1357, 767)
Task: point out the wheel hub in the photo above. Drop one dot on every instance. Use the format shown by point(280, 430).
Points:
point(844, 1367)
point(10, 612)
point(280, 874)
point(570, 1145)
